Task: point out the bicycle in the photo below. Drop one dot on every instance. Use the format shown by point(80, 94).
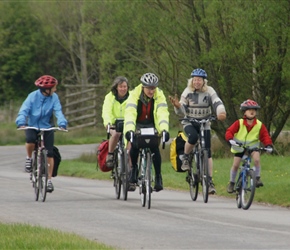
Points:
point(39, 174)
point(120, 172)
point(199, 173)
point(146, 138)
point(245, 186)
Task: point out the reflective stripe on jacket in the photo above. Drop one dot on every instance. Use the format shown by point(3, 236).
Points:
point(248, 139)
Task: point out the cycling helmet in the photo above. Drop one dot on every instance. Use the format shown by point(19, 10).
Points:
point(149, 80)
point(46, 82)
point(249, 104)
point(199, 73)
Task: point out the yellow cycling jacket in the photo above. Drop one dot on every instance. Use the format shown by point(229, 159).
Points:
point(160, 112)
point(248, 139)
point(112, 109)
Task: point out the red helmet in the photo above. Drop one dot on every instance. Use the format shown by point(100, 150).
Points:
point(46, 82)
point(249, 104)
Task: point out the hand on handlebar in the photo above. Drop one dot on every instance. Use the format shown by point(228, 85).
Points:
point(222, 116)
point(234, 143)
point(129, 135)
point(166, 135)
point(269, 149)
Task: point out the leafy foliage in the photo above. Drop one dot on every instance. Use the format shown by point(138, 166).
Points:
point(243, 46)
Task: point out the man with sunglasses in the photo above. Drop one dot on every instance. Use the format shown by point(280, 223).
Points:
point(146, 108)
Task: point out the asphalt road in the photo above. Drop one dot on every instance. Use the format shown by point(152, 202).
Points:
point(89, 208)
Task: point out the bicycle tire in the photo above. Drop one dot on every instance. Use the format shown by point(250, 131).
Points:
point(125, 174)
point(34, 175)
point(238, 188)
point(141, 178)
point(43, 174)
point(204, 175)
point(192, 178)
point(193, 185)
point(148, 178)
point(248, 189)
point(117, 174)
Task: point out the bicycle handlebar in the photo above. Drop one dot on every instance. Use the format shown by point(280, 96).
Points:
point(200, 121)
point(43, 129)
point(247, 148)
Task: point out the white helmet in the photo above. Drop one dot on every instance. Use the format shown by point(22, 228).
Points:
point(149, 80)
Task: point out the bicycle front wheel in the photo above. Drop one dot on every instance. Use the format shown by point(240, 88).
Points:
point(204, 175)
point(34, 175)
point(43, 174)
point(193, 185)
point(148, 179)
point(238, 188)
point(125, 174)
point(141, 177)
point(117, 173)
point(248, 189)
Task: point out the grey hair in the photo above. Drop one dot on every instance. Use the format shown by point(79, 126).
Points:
point(118, 80)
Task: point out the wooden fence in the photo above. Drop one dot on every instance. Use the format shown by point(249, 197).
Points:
point(83, 105)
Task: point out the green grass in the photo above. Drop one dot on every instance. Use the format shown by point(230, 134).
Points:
point(23, 236)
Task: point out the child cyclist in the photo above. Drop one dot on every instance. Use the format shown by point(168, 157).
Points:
point(248, 131)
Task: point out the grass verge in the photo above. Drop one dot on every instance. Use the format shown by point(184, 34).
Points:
point(23, 236)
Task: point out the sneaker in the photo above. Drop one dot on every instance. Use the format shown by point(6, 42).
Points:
point(110, 160)
point(49, 187)
point(158, 183)
point(28, 165)
point(185, 163)
point(259, 183)
point(230, 187)
point(211, 189)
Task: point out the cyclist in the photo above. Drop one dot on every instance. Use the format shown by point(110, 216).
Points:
point(248, 131)
point(37, 111)
point(146, 107)
point(113, 108)
point(197, 101)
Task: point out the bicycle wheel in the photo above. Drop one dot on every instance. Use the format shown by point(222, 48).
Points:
point(248, 189)
point(43, 174)
point(34, 175)
point(117, 173)
point(125, 174)
point(148, 179)
point(204, 177)
point(238, 188)
point(193, 184)
point(141, 178)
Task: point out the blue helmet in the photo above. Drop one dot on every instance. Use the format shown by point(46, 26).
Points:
point(199, 73)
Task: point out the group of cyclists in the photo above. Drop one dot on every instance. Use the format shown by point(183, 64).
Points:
point(145, 107)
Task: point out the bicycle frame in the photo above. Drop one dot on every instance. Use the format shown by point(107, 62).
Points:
point(145, 170)
point(120, 169)
point(146, 176)
point(199, 174)
point(245, 185)
point(39, 175)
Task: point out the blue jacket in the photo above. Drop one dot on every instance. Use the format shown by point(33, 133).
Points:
point(37, 111)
